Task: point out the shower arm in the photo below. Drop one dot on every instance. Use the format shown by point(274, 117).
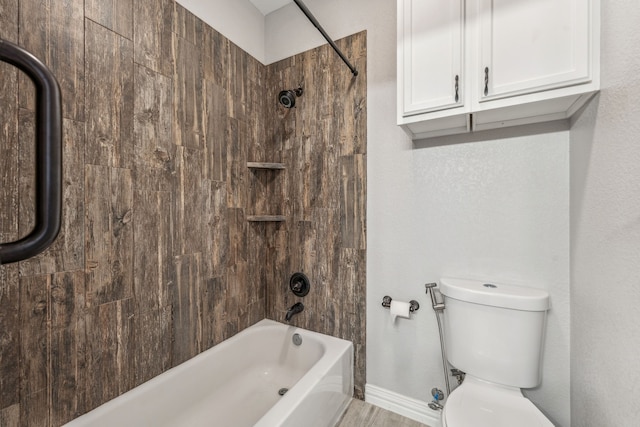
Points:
point(315, 22)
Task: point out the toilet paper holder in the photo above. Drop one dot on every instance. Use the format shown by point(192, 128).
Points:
point(413, 304)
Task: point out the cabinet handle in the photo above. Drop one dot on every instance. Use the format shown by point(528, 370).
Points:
point(457, 87)
point(486, 81)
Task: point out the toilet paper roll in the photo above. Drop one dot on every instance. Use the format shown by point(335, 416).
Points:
point(399, 309)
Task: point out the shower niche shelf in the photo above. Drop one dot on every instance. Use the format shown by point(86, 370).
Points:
point(268, 166)
point(266, 218)
point(265, 165)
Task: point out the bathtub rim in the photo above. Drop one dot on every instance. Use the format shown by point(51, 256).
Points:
point(334, 350)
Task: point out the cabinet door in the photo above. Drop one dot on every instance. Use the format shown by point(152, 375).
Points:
point(430, 45)
point(532, 45)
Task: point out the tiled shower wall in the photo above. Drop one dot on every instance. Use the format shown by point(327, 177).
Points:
point(322, 142)
point(155, 261)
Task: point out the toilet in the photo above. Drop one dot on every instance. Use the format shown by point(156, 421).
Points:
point(494, 333)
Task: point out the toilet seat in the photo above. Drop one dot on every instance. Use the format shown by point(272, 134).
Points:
point(477, 403)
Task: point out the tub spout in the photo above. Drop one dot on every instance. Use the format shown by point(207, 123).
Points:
point(295, 309)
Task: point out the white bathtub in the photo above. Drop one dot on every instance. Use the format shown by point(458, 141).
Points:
point(236, 384)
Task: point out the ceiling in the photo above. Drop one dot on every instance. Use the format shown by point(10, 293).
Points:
point(268, 6)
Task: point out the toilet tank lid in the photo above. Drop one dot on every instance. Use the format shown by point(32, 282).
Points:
point(495, 294)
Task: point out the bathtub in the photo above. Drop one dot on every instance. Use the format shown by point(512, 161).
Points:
point(238, 383)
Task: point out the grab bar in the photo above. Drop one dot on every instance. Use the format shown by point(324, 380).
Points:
point(48, 183)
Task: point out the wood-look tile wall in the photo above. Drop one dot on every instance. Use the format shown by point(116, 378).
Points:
point(322, 142)
point(155, 261)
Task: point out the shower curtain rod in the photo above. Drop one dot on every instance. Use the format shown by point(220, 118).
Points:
point(315, 22)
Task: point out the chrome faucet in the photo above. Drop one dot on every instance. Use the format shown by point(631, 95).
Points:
point(295, 309)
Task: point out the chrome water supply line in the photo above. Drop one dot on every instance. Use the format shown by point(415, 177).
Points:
point(438, 308)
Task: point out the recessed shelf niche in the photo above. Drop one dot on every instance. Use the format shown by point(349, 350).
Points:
point(266, 166)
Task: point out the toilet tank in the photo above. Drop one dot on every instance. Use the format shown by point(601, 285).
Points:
point(495, 331)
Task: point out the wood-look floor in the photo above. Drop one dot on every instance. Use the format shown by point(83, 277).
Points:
point(362, 414)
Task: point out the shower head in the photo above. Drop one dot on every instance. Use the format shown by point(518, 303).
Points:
point(288, 97)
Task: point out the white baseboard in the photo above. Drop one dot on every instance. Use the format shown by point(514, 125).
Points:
point(406, 406)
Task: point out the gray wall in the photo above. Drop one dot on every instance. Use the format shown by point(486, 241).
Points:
point(605, 233)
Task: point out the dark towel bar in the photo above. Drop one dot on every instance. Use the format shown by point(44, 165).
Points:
point(48, 186)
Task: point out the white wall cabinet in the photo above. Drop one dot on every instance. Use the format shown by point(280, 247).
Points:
point(432, 29)
point(481, 64)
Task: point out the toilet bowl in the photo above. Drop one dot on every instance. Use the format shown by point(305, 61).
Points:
point(476, 403)
point(494, 333)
